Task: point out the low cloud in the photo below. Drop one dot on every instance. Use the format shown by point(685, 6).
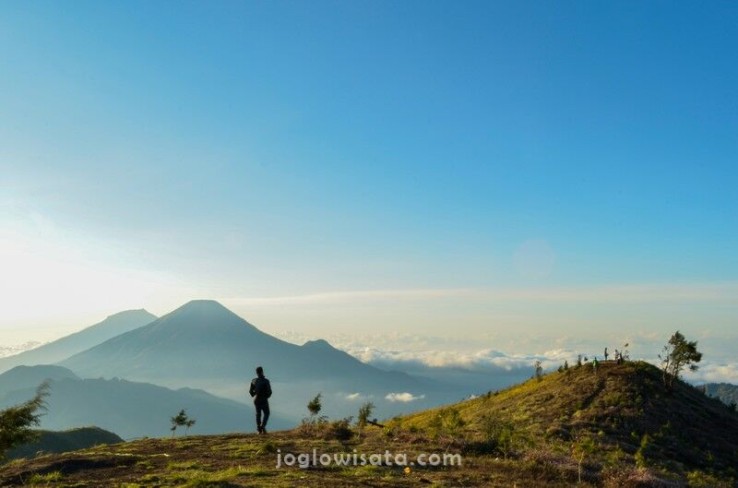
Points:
point(425, 355)
point(486, 360)
point(404, 397)
point(714, 373)
point(353, 396)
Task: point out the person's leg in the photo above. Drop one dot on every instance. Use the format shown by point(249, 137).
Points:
point(258, 417)
point(265, 408)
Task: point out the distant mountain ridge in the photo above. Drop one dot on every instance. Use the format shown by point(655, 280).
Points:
point(129, 409)
point(60, 349)
point(202, 344)
point(6, 351)
point(206, 341)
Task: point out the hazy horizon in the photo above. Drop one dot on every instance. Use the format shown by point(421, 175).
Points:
point(490, 353)
point(520, 177)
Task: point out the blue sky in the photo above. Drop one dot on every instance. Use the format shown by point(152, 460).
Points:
point(443, 156)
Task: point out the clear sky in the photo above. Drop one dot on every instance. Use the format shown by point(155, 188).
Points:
point(486, 170)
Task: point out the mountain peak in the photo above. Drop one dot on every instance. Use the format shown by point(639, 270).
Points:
point(318, 344)
point(131, 313)
point(202, 308)
point(202, 302)
point(114, 325)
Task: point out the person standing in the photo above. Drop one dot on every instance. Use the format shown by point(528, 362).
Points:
point(260, 391)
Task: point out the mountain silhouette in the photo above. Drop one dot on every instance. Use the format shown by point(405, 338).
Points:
point(79, 341)
point(204, 340)
point(129, 409)
point(205, 345)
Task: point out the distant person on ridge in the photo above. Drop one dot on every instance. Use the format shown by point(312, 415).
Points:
point(260, 391)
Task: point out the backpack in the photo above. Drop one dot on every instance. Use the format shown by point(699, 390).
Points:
point(262, 388)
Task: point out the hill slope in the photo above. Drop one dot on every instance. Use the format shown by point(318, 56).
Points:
point(621, 411)
point(79, 341)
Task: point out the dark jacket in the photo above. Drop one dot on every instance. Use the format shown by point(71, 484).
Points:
point(260, 389)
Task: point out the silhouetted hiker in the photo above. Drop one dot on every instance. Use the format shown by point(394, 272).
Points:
point(595, 363)
point(606, 354)
point(260, 391)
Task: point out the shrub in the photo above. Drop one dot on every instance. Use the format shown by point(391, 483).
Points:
point(339, 430)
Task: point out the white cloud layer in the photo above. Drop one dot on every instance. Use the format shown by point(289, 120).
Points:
point(483, 360)
point(420, 354)
point(714, 373)
point(496, 362)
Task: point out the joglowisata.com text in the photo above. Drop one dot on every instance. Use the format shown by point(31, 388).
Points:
point(306, 460)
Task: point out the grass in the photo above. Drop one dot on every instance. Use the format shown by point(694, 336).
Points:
point(45, 479)
point(618, 427)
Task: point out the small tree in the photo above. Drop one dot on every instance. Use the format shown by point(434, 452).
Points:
point(314, 406)
point(538, 369)
point(16, 422)
point(364, 412)
point(188, 425)
point(678, 353)
point(500, 435)
point(581, 448)
point(181, 420)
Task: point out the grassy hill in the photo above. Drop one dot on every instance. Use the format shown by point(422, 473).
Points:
point(618, 427)
point(615, 419)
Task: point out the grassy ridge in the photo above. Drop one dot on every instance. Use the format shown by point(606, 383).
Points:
point(620, 416)
point(617, 427)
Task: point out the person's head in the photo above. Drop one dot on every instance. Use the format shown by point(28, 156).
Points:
point(259, 371)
